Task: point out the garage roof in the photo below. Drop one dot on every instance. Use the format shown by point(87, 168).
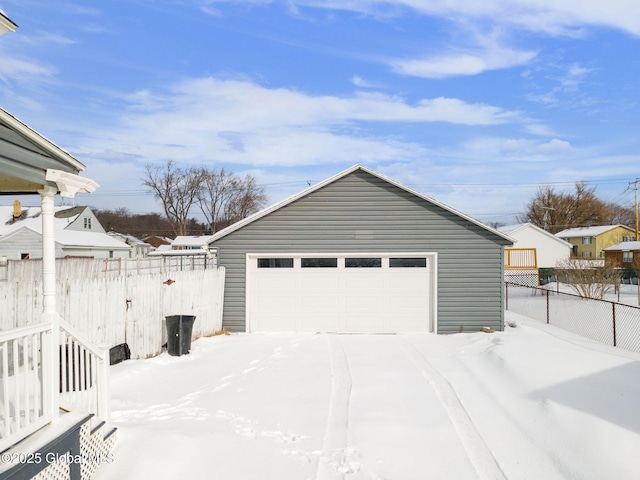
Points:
point(256, 216)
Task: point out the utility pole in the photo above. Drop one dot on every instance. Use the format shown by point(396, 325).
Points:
point(635, 187)
point(545, 216)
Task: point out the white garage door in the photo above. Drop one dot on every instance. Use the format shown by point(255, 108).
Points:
point(366, 293)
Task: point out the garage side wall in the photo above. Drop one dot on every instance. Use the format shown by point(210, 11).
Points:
point(361, 212)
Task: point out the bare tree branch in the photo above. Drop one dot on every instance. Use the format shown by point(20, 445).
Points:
point(176, 189)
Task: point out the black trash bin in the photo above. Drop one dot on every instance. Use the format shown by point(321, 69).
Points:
point(179, 328)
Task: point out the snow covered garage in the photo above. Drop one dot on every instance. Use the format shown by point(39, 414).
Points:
point(361, 253)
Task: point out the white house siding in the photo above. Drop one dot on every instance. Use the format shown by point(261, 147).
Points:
point(23, 241)
point(103, 252)
point(363, 213)
point(549, 249)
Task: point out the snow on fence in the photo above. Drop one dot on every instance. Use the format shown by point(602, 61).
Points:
point(604, 321)
point(110, 309)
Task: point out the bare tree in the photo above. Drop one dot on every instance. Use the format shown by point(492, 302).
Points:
point(586, 279)
point(218, 187)
point(177, 189)
point(621, 215)
point(249, 197)
point(554, 211)
point(224, 198)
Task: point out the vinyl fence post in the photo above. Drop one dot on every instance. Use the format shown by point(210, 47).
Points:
point(547, 306)
point(615, 339)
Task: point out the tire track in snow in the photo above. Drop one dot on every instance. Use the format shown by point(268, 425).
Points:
point(477, 450)
point(331, 465)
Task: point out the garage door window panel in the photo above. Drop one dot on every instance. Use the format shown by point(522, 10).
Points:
point(404, 262)
point(319, 262)
point(275, 263)
point(363, 262)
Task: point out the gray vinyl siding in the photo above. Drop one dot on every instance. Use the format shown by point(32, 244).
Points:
point(361, 212)
point(79, 223)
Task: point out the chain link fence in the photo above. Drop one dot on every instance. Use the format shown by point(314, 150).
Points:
point(604, 321)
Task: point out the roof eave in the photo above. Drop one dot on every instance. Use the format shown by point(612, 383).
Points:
point(6, 24)
point(41, 141)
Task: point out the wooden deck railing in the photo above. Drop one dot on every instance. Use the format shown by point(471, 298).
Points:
point(520, 258)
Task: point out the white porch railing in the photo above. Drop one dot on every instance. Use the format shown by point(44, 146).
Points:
point(27, 382)
point(84, 374)
point(23, 385)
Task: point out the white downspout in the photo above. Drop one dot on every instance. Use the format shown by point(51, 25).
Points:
point(49, 312)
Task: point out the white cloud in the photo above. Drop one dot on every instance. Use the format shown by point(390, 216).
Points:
point(16, 68)
point(524, 147)
point(566, 17)
point(538, 129)
point(470, 63)
point(240, 122)
point(362, 83)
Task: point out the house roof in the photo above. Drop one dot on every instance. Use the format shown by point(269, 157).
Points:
point(125, 237)
point(256, 216)
point(75, 239)
point(588, 231)
point(31, 219)
point(512, 230)
point(191, 241)
point(624, 246)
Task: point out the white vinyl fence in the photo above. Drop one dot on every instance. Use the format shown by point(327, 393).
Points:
point(127, 308)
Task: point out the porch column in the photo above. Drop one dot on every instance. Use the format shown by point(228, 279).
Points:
point(51, 367)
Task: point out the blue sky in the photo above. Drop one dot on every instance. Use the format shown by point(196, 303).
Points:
point(476, 104)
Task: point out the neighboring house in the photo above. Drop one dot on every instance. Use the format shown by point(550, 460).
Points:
point(195, 247)
point(623, 254)
point(77, 234)
point(590, 242)
point(360, 252)
point(549, 248)
point(137, 248)
point(192, 242)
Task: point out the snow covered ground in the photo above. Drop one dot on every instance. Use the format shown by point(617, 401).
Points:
point(627, 294)
point(533, 402)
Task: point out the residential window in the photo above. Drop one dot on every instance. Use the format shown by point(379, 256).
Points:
point(24, 256)
point(319, 262)
point(586, 254)
point(586, 240)
point(87, 223)
point(627, 257)
point(363, 262)
point(275, 263)
point(419, 262)
point(629, 239)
